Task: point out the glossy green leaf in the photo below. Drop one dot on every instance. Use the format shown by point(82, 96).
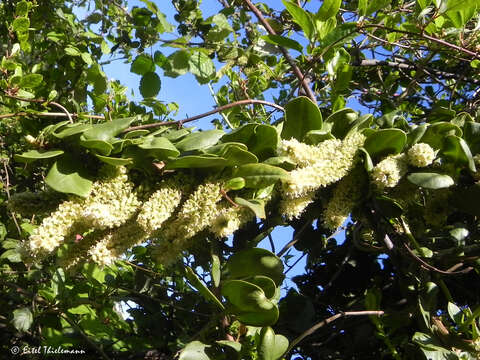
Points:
point(114, 161)
point(199, 140)
point(261, 139)
point(457, 151)
point(342, 121)
point(68, 176)
point(385, 142)
point(150, 85)
point(100, 146)
point(70, 130)
point(236, 346)
point(301, 116)
point(22, 319)
point(142, 64)
point(455, 313)
point(202, 67)
point(436, 133)
point(31, 81)
point(255, 261)
point(265, 283)
point(340, 35)
point(260, 175)
point(431, 180)
point(237, 183)
point(159, 147)
point(202, 288)
point(416, 134)
point(33, 155)
point(216, 270)
point(21, 9)
point(282, 42)
point(283, 162)
point(301, 17)
point(197, 161)
point(249, 302)
point(106, 131)
point(272, 346)
point(194, 350)
point(328, 9)
point(257, 206)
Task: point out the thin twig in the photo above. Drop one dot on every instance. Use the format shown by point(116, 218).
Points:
point(287, 56)
point(211, 112)
point(328, 321)
point(272, 244)
point(61, 107)
point(7, 190)
point(294, 240)
point(50, 114)
point(295, 263)
point(433, 268)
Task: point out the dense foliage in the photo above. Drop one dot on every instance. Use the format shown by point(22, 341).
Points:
point(107, 201)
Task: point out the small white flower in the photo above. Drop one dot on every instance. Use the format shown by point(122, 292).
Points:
point(389, 171)
point(421, 155)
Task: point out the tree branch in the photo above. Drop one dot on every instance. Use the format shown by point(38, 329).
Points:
point(328, 321)
point(211, 112)
point(284, 51)
point(50, 114)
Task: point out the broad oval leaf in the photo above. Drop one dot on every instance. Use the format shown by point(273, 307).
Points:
point(22, 319)
point(70, 130)
point(108, 130)
point(457, 151)
point(31, 81)
point(199, 140)
point(272, 346)
point(328, 9)
point(260, 175)
point(342, 121)
point(150, 84)
point(255, 261)
point(266, 284)
point(197, 161)
point(67, 176)
point(142, 64)
point(194, 350)
point(33, 155)
point(261, 139)
point(301, 116)
point(257, 206)
point(385, 142)
point(159, 147)
point(114, 161)
point(101, 146)
point(202, 67)
point(435, 133)
point(431, 180)
point(301, 17)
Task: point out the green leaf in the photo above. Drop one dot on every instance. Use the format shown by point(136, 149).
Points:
point(199, 140)
point(22, 319)
point(431, 180)
point(342, 121)
point(12, 255)
point(197, 161)
point(436, 133)
point(108, 130)
point(22, 8)
point(216, 270)
point(67, 176)
point(266, 284)
point(194, 350)
point(100, 146)
point(301, 17)
point(340, 35)
point(328, 9)
point(255, 261)
point(456, 314)
point(375, 5)
point(72, 51)
point(301, 116)
point(237, 183)
point(457, 151)
point(236, 346)
point(150, 85)
point(283, 42)
point(114, 161)
point(416, 134)
point(257, 206)
point(385, 142)
point(31, 81)
point(202, 67)
point(33, 155)
point(142, 64)
point(249, 303)
point(202, 288)
point(472, 136)
point(260, 175)
point(21, 24)
point(271, 346)
point(261, 139)
point(159, 147)
point(70, 130)
point(3, 234)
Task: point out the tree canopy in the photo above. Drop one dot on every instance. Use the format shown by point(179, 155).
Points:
point(353, 122)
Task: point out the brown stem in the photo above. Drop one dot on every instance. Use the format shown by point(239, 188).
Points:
point(214, 111)
point(284, 51)
point(50, 114)
point(426, 37)
point(328, 321)
point(61, 107)
point(433, 268)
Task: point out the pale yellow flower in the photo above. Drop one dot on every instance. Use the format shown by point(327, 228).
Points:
point(389, 171)
point(421, 155)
